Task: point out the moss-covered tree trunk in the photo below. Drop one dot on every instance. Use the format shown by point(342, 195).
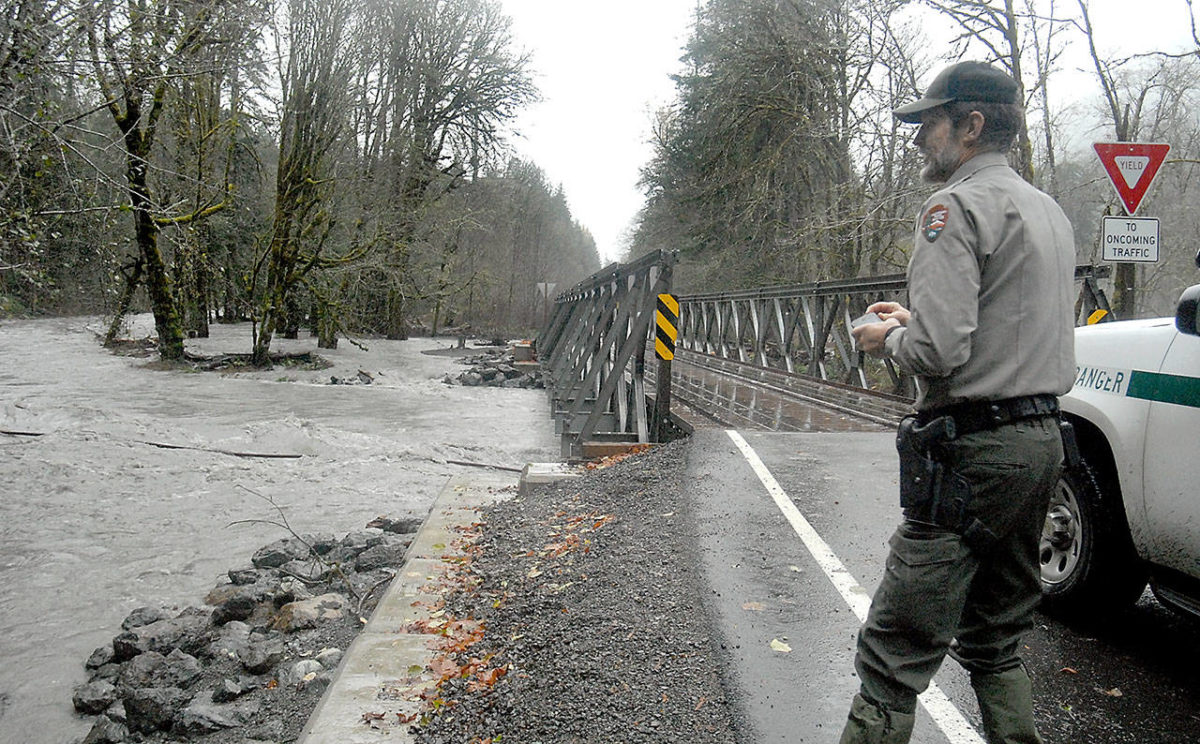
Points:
point(193, 284)
point(293, 315)
point(158, 282)
point(275, 295)
point(327, 325)
point(133, 280)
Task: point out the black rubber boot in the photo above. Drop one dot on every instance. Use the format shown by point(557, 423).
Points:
point(870, 724)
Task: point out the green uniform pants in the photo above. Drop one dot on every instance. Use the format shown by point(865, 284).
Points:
point(936, 592)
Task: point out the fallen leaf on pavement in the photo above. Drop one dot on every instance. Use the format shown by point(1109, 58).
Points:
point(780, 646)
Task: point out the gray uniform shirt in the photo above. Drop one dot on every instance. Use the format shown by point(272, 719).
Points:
point(990, 288)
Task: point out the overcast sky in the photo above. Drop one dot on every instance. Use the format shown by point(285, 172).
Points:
point(603, 67)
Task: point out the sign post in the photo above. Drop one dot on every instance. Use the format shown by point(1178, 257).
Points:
point(1131, 167)
point(666, 332)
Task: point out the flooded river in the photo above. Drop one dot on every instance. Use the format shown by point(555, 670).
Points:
point(96, 520)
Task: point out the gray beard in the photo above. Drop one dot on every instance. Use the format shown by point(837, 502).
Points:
point(940, 168)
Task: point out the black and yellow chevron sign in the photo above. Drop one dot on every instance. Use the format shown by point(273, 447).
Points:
point(667, 330)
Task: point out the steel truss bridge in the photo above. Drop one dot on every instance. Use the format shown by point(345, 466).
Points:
point(608, 390)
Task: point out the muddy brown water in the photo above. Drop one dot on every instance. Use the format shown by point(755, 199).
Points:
point(96, 520)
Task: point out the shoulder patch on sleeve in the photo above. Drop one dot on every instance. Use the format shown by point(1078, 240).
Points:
point(934, 222)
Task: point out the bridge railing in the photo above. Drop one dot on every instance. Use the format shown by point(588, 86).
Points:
point(593, 352)
point(593, 348)
point(805, 328)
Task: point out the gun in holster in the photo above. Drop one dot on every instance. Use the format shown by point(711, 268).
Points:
point(921, 472)
point(930, 490)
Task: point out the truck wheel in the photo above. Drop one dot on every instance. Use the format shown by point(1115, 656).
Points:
point(1088, 559)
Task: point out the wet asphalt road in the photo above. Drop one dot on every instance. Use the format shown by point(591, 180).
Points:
point(1129, 678)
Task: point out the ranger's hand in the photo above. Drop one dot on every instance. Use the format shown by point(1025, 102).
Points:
point(870, 337)
point(889, 310)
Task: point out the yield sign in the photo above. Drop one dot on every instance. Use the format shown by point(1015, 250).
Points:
point(1131, 167)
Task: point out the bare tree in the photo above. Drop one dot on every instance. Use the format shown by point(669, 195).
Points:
point(317, 68)
point(998, 26)
point(1124, 108)
point(1044, 32)
point(448, 79)
point(781, 161)
point(138, 50)
point(35, 191)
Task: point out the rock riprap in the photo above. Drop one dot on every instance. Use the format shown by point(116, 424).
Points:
point(251, 663)
point(497, 369)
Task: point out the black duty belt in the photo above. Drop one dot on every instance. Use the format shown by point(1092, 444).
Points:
point(981, 415)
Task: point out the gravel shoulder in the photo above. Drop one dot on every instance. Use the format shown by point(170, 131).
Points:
point(590, 606)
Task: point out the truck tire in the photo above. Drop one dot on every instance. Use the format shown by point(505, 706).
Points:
point(1088, 560)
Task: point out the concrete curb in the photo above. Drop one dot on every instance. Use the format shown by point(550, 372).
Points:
point(386, 669)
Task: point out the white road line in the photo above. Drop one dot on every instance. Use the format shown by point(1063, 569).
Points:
point(936, 704)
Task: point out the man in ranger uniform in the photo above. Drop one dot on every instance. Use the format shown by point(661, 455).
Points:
point(989, 336)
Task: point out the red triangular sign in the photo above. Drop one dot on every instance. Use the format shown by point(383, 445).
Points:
point(1131, 167)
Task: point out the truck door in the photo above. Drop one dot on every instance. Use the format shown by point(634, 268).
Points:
point(1171, 473)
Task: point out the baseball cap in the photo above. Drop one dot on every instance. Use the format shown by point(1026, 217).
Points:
point(976, 82)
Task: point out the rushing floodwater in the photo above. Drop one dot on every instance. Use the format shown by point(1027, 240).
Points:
point(95, 521)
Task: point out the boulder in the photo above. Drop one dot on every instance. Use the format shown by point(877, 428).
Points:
point(233, 639)
point(94, 697)
point(279, 552)
point(360, 541)
point(301, 672)
point(309, 613)
point(380, 556)
point(260, 654)
point(306, 570)
point(143, 616)
point(101, 656)
point(471, 379)
point(150, 709)
point(106, 731)
point(108, 672)
point(321, 543)
point(231, 689)
point(202, 716)
point(402, 526)
point(116, 712)
point(152, 669)
point(186, 632)
point(244, 576)
point(237, 607)
point(329, 657)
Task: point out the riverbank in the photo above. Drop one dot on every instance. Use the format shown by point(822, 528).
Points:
point(99, 519)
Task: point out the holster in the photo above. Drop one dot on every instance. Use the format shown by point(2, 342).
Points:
point(930, 491)
point(1071, 455)
point(921, 472)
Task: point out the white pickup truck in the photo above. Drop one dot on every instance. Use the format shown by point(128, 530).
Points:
point(1132, 514)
